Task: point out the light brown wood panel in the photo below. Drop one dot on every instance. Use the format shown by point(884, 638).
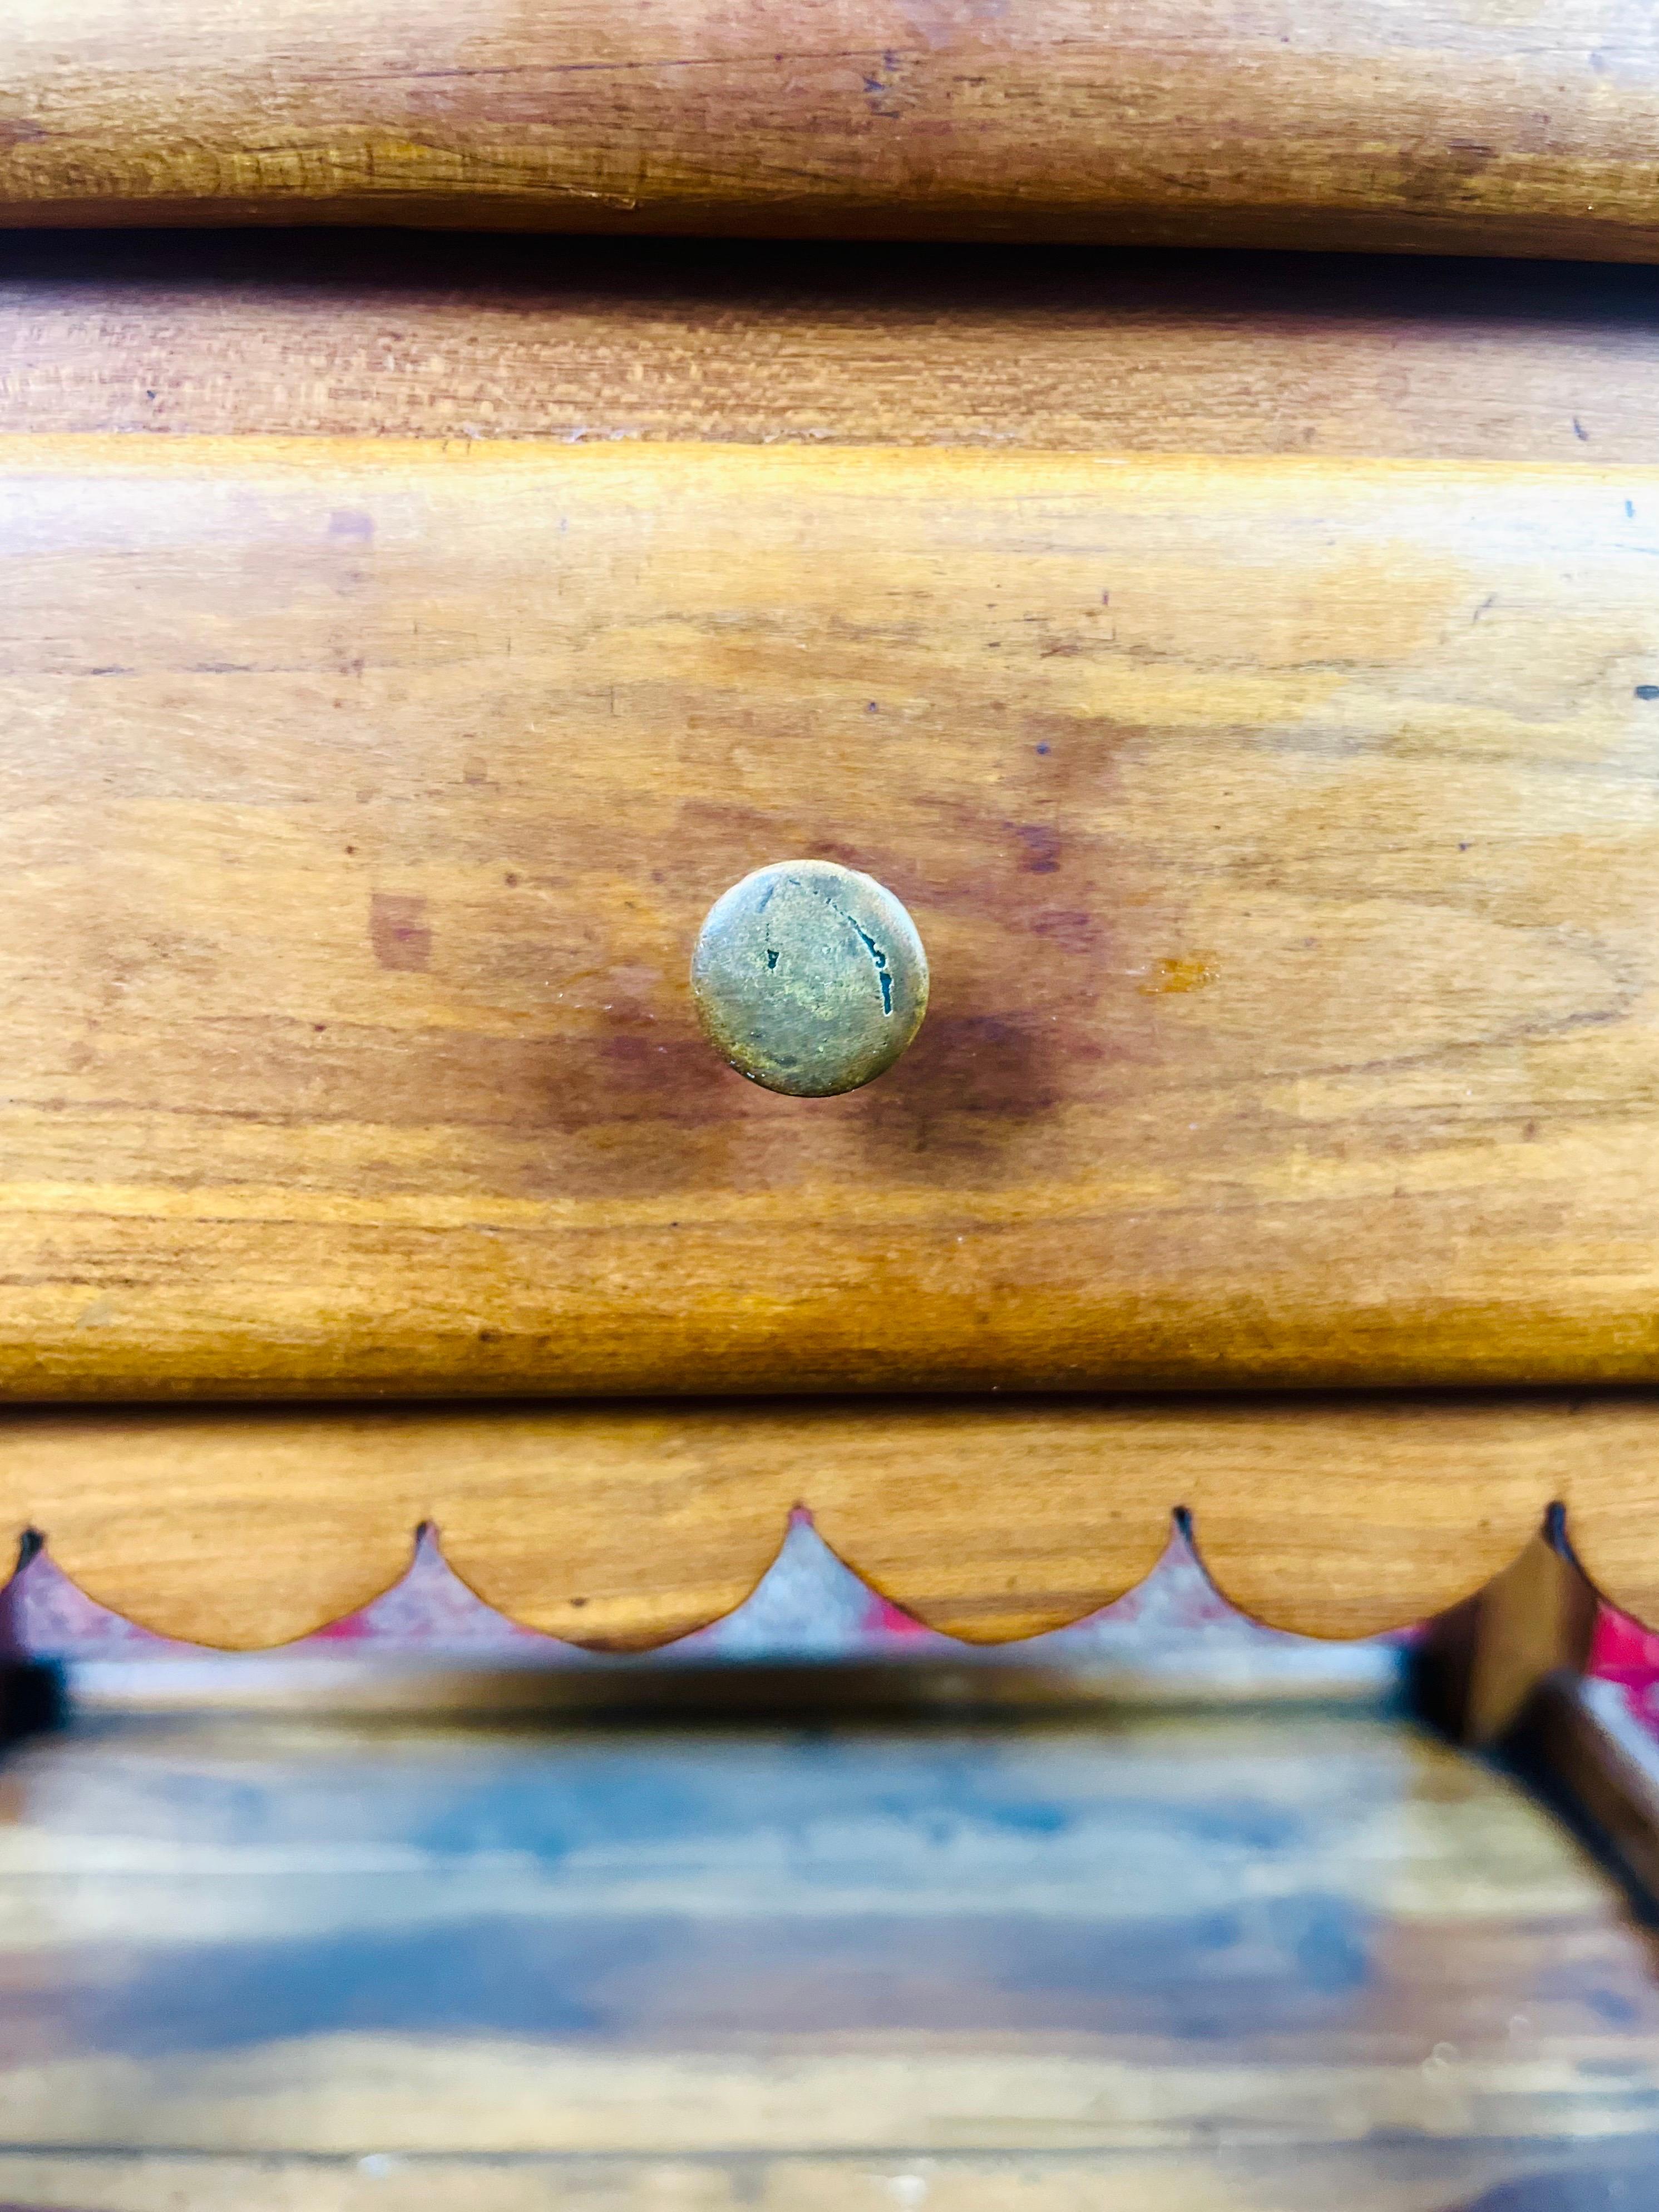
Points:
point(1283, 835)
point(1467, 122)
point(340, 334)
point(620, 1526)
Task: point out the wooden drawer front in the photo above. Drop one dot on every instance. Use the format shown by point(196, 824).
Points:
point(1285, 836)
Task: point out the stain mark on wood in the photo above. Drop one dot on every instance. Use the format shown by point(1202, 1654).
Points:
point(399, 931)
point(1170, 977)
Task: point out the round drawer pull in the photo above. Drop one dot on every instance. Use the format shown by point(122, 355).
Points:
point(810, 978)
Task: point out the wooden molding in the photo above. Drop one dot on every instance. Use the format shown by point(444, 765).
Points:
point(1342, 122)
point(623, 1526)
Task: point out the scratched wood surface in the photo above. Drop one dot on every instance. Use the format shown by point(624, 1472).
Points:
point(1375, 123)
point(1252, 1963)
point(619, 1526)
point(385, 334)
point(1282, 833)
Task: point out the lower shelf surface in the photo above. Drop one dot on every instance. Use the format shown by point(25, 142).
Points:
point(1256, 1960)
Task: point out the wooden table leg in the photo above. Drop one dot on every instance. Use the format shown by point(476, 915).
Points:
point(31, 1690)
point(1480, 1662)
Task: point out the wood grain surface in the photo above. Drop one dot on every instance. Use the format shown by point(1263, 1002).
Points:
point(1468, 124)
point(1282, 835)
point(623, 1526)
point(1268, 1962)
point(381, 334)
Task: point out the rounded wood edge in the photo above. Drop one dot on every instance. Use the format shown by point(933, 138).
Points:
point(1351, 1521)
point(990, 1521)
point(616, 1529)
point(239, 1530)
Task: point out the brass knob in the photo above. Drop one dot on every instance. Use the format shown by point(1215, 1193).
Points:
point(810, 978)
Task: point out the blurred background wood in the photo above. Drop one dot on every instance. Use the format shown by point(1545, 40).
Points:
point(1578, 1743)
point(1253, 1962)
point(1467, 126)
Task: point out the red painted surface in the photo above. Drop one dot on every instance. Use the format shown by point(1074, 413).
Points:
point(1626, 1653)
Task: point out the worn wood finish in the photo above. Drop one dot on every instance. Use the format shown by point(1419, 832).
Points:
point(1261, 1963)
point(1465, 125)
point(620, 1526)
point(378, 335)
point(1283, 834)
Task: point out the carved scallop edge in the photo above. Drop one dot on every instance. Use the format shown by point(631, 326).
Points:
point(1332, 1518)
